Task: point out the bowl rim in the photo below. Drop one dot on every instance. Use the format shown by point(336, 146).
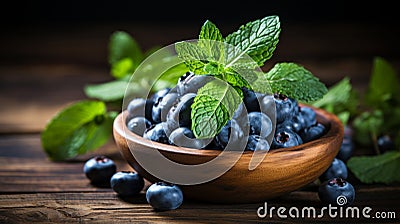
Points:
point(335, 129)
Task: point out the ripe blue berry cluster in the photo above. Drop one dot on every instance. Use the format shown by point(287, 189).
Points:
point(165, 117)
point(102, 172)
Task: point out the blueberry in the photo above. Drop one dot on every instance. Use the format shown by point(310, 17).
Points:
point(313, 132)
point(126, 183)
point(285, 139)
point(99, 170)
point(255, 142)
point(268, 107)
point(159, 94)
point(240, 115)
point(298, 122)
point(140, 107)
point(309, 116)
point(138, 125)
point(184, 137)
point(385, 143)
point(251, 99)
point(286, 107)
point(336, 191)
point(259, 124)
point(162, 106)
point(231, 133)
point(156, 133)
point(337, 169)
point(346, 149)
point(163, 196)
point(190, 83)
point(181, 112)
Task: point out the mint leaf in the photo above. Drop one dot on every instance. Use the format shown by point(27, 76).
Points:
point(367, 126)
point(109, 91)
point(82, 126)
point(295, 81)
point(210, 32)
point(213, 106)
point(383, 84)
point(193, 56)
point(122, 45)
point(384, 168)
point(337, 94)
point(258, 39)
point(122, 68)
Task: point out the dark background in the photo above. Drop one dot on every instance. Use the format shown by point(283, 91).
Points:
point(194, 11)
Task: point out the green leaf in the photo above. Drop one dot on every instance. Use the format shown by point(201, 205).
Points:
point(384, 168)
point(210, 32)
point(258, 39)
point(122, 68)
point(121, 46)
point(109, 91)
point(295, 81)
point(213, 106)
point(82, 126)
point(383, 84)
point(366, 125)
point(193, 56)
point(337, 94)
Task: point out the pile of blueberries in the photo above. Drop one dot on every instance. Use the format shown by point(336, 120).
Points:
point(102, 172)
point(165, 117)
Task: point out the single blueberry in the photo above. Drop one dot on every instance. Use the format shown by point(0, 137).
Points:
point(191, 83)
point(156, 133)
point(285, 139)
point(180, 113)
point(159, 94)
point(163, 196)
point(313, 132)
point(255, 142)
point(336, 191)
point(140, 107)
point(184, 137)
point(286, 107)
point(250, 100)
point(138, 125)
point(127, 183)
point(309, 116)
point(385, 143)
point(337, 169)
point(260, 124)
point(162, 106)
point(99, 170)
point(231, 134)
point(346, 149)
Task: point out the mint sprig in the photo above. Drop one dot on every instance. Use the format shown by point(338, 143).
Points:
point(78, 128)
point(235, 60)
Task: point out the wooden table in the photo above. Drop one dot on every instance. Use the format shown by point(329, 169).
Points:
point(44, 68)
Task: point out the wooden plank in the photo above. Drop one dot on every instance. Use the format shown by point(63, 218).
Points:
point(100, 207)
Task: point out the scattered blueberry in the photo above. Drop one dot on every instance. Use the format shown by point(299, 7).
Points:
point(127, 183)
point(337, 169)
point(138, 125)
point(346, 149)
point(163, 196)
point(336, 191)
point(385, 143)
point(99, 170)
point(156, 133)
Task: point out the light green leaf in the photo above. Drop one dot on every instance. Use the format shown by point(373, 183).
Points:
point(122, 45)
point(122, 68)
point(193, 56)
point(213, 106)
point(258, 39)
point(337, 94)
point(72, 130)
point(109, 91)
point(295, 81)
point(384, 168)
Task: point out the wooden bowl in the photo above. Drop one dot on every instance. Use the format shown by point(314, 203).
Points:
point(280, 172)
